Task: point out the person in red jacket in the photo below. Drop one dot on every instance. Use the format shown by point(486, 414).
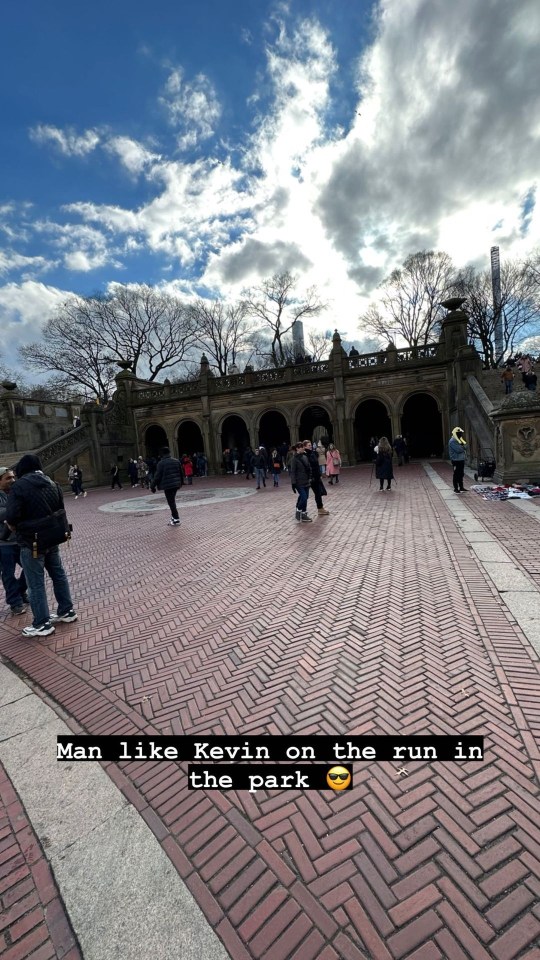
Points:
point(187, 467)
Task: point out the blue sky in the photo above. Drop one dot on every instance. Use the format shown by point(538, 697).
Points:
point(204, 146)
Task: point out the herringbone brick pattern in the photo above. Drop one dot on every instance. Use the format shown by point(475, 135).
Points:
point(33, 922)
point(373, 620)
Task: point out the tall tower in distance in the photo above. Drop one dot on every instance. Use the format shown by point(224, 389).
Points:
point(299, 349)
point(497, 311)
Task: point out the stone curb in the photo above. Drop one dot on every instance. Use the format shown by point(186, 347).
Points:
point(122, 894)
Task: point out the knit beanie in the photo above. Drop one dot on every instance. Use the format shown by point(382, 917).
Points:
point(27, 464)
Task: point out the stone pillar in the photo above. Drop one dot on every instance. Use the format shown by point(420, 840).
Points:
point(517, 426)
point(210, 442)
point(338, 364)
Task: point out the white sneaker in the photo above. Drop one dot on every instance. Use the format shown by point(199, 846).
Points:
point(43, 631)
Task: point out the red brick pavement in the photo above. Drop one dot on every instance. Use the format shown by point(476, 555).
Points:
point(33, 921)
point(376, 620)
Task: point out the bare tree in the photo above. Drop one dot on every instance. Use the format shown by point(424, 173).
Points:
point(223, 331)
point(276, 306)
point(409, 304)
point(520, 308)
point(318, 345)
point(83, 341)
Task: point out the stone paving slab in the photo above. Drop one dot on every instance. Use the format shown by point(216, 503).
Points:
point(377, 619)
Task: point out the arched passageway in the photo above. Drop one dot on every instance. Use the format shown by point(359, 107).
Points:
point(315, 424)
point(234, 434)
point(371, 420)
point(190, 439)
point(154, 439)
point(273, 430)
point(421, 425)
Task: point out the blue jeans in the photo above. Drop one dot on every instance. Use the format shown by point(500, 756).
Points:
point(508, 386)
point(261, 476)
point(34, 568)
point(303, 494)
point(15, 588)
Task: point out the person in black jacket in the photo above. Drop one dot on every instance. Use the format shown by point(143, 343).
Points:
point(260, 464)
point(316, 483)
point(35, 497)
point(383, 464)
point(169, 478)
point(247, 462)
point(300, 481)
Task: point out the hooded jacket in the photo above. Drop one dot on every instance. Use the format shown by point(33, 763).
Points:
point(32, 497)
point(457, 448)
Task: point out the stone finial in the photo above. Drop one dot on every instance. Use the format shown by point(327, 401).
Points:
point(453, 303)
point(124, 364)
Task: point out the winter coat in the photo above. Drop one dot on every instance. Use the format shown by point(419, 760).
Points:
point(457, 450)
point(259, 461)
point(321, 454)
point(32, 497)
point(383, 466)
point(277, 463)
point(331, 469)
point(187, 467)
point(168, 474)
point(7, 539)
point(300, 470)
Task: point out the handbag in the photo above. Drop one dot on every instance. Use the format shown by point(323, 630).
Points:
point(336, 461)
point(46, 532)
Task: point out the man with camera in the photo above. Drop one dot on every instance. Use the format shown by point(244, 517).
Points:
point(35, 511)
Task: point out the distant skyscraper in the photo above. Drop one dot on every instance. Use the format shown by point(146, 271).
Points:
point(497, 311)
point(298, 339)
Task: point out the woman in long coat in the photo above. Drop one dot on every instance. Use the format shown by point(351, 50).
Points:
point(321, 455)
point(333, 464)
point(383, 464)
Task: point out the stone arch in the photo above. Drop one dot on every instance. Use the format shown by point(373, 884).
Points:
point(315, 422)
point(233, 432)
point(372, 418)
point(421, 424)
point(155, 437)
point(189, 437)
point(273, 429)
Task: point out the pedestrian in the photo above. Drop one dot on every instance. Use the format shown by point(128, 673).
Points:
point(79, 481)
point(259, 462)
point(35, 510)
point(247, 461)
point(76, 422)
point(142, 472)
point(508, 379)
point(133, 473)
point(169, 479)
point(263, 453)
point(530, 380)
point(202, 465)
point(333, 464)
point(115, 477)
point(316, 484)
point(235, 459)
point(300, 473)
point(277, 466)
point(187, 468)
point(457, 451)
point(372, 444)
point(10, 552)
point(383, 464)
point(401, 449)
point(151, 464)
point(72, 479)
point(321, 458)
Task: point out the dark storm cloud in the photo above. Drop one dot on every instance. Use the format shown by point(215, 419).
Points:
point(263, 259)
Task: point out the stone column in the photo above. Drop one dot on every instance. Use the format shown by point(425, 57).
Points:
point(338, 363)
point(517, 420)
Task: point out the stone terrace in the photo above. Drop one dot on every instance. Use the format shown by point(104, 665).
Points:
point(378, 619)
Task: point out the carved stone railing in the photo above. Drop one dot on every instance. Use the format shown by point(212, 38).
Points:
point(270, 376)
point(230, 382)
point(367, 360)
point(56, 449)
point(429, 352)
point(153, 393)
point(311, 369)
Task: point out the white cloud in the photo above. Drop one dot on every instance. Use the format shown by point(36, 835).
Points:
point(83, 248)
point(131, 154)
point(69, 143)
point(192, 107)
point(11, 262)
point(24, 308)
